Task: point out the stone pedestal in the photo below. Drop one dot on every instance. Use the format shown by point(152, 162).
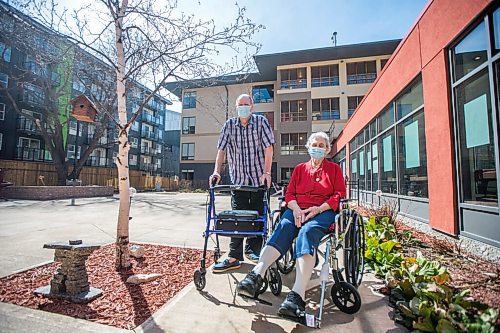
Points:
point(70, 281)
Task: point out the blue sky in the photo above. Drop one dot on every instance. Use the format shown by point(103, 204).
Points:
point(295, 25)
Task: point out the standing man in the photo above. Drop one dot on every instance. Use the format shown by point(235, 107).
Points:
point(248, 142)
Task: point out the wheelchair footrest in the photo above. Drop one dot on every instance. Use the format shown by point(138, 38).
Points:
point(304, 318)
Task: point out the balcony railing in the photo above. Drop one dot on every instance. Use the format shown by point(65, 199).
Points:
point(326, 115)
point(150, 119)
point(26, 125)
point(30, 154)
point(325, 81)
point(149, 135)
point(98, 161)
point(293, 84)
point(148, 150)
point(361, 78)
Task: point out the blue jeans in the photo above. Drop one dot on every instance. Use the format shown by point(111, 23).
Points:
point(308, 236)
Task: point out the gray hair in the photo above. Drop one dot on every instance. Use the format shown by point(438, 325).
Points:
point(319, 135)
point(242, 96)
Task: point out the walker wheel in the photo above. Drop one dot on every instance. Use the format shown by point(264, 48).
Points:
point(264, 286)
point(346, 297)
point(275, 283)
point(199, 279)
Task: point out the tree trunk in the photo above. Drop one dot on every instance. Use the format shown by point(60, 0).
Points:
point(122, 237)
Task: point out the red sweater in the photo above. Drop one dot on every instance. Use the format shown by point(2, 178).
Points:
point(313, 187)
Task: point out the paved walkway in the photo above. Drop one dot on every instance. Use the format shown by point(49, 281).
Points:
point(163, 218)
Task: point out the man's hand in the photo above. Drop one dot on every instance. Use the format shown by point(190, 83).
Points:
point(265, 177)
point(299, 217)
point(311, 212)
point(215, 176)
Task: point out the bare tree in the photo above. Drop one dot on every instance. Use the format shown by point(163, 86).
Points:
point(150, 42)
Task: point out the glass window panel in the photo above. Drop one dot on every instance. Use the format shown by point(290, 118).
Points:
point(476, 141)
point(496, 29)
point(470, 52)
point(412, 98)
point(301, 73)
point(351, 69)
point(368, 167)
point(386, 119)
point(316, 105)
point(371, 67)
point(315, 72)
point(325, 104)
point(293, 74)
point(334, 70)
point(324, 71)
point(373, 129)
point(388, 183)
point(413, 156)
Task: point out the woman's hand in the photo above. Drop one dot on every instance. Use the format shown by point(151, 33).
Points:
point(311, 212)
point(298, 216)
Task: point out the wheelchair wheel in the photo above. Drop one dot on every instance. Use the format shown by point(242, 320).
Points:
point(354, 251)
point(287, 262)
point(346, 297)
point(264, 286)
point(275, 283)
point(199, 279)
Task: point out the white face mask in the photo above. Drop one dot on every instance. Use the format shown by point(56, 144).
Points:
point(243, 111)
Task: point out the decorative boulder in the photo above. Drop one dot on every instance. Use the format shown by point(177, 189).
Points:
point(136, 251)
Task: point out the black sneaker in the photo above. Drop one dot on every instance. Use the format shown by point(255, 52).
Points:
point(293, 305)
point(250, 285)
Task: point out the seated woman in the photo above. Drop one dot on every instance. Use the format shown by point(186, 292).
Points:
point(313, 196)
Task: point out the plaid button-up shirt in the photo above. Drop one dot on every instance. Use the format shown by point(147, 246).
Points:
point(244, 147)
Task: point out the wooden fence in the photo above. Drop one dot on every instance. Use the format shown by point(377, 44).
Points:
point(23, 173)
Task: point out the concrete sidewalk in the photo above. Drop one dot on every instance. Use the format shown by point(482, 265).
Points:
point(164, 218)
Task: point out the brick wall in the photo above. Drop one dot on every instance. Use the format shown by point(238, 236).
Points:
point(55, 192)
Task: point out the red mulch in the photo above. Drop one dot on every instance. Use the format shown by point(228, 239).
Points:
point(121, 305)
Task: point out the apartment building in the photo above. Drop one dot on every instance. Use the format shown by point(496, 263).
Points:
point(426, 136)
point(29, 81)
point(299, 92)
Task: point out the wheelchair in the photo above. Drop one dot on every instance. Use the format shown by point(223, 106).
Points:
point(236, 223)
point(343, 256)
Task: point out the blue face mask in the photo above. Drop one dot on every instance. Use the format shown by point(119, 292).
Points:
point(243, 111)
point(317, 153)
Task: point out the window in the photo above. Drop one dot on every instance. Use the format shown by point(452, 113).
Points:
point(294, 110)
point(383, 62)
point(189, 100)
point(34, 67)
point(135, 126)
point(411, 99)
point(387, 161)
point(78, 85)
point(293, 78)
point(496, 29)
point(286, 174)
point(352, 104)
point(5, 52)
point(134, 142)
point(33, 93)
point(323, 76)
point(133, 159)
point(1, 140)
point(29, 149)
point(476, 141)
point(325, 109)
point(412, 156)
point(72, 128)
point(187, 174)
point(2, 111)
point(361, 72)
point(269, 116)
point(25, 122)
point(4, 80)
point(263, 94)
point(385, 119)
point(71, 152)
point(293, 143)
point(187, 151)
point(470, 52)
point(188, 125)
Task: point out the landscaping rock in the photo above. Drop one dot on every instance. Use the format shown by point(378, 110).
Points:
point(142, 278)
point(136, 251)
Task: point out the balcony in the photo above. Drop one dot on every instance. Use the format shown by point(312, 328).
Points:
point(326, 115)
point(361, 78)
point(149, 167)
point(26, 125)
point(151, 135)
point(147, 118)
point(293, 84)
point(146, 150)
point(325, 81)
point(97, 161)
point(30, 154)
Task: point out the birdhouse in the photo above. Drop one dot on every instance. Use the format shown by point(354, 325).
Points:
point(83, 109)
